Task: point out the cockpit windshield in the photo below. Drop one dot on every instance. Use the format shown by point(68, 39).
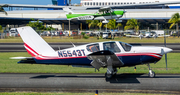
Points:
point(104, 11)
point(111, 46)
point(127, 47)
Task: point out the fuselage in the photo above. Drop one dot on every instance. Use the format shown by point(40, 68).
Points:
point(129, 55)
point(97, 16)
point(120, 2)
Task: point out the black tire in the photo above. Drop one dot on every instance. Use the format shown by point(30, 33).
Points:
point(152, 75)
point(108, 76)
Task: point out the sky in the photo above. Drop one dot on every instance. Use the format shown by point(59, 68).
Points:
point(32, 2)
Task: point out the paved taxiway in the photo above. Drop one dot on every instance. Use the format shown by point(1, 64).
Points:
point(88, 82)
point(18, 47)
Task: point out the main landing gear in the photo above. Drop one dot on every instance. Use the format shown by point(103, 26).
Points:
point(151, 73)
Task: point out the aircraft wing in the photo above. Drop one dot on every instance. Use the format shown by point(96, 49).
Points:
point(132, 36)
point(133, 5)
point(89, 7)
point(164, 35)
point(103, 58)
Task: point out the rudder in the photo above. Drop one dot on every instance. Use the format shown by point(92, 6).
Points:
point(33, 43)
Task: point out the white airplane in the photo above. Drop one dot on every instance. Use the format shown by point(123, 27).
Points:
point(97, 4)
point(128, 3)
point(110, 55)
point(150, 34)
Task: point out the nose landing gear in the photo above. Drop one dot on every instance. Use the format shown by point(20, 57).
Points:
point(151, 74)
point(110, 73)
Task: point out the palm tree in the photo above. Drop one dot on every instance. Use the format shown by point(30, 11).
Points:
point(99, 25)
point(1, 32)
point(92, 23)
point(2, 9)
point(112, 24)
point(132, 24)
point(119, 25)
point(175, 20)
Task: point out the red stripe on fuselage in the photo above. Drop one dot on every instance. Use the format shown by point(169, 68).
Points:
point(158, 56)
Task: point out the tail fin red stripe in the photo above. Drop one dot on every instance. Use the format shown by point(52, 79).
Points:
point(30, 49)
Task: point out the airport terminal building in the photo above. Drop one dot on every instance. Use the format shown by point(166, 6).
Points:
point(152, 18)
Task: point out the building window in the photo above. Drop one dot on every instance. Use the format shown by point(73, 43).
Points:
point(97, 4)
point(93, 3)
point(100, 4)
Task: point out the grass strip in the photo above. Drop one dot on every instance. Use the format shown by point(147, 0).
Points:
point(10, 66)
point(94, 39)
point(58, 93)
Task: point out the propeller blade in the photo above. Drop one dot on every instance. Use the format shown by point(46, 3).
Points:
point(166, 61)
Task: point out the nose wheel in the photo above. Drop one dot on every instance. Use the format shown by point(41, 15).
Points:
point(151, 74)
point(110, 73)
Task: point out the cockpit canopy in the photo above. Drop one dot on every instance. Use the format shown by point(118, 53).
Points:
point(111, 46)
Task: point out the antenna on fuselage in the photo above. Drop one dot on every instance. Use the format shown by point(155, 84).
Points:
point(73, 44)
point(59, 47)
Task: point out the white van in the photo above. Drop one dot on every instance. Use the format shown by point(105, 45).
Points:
point(13, 32)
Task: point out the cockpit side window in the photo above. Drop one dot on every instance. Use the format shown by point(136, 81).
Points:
point(111, 46)
point(126, 46)
point(93, 48)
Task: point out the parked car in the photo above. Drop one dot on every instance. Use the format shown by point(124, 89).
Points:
point(13, 32)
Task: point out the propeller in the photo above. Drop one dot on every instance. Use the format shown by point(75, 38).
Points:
point(110, 11)
point(165, 53)
point(2, 9)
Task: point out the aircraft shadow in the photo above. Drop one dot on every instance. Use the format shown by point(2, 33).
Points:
point(64, 76)
point(119, 78)
point(124, 78)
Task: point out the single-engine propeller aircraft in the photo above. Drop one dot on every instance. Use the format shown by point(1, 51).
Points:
point(104, 13)
point(111, 54)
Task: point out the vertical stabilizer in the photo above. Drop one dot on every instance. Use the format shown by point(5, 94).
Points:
point(33, 43)
point(67, 10)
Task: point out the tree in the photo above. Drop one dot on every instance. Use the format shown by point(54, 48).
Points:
point(2, 9)
point(92, 23)
point(36, 25)
point(112, 24)
point(99, 25)
point(50, 28)
point(175, 20)
point(1, 32)
point(132, 24)
point(119, 25)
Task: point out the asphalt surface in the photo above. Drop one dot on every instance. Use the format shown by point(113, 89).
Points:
point(90, 82)
point(18, 47)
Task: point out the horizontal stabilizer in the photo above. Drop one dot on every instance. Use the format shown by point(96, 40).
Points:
point(21, 57)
